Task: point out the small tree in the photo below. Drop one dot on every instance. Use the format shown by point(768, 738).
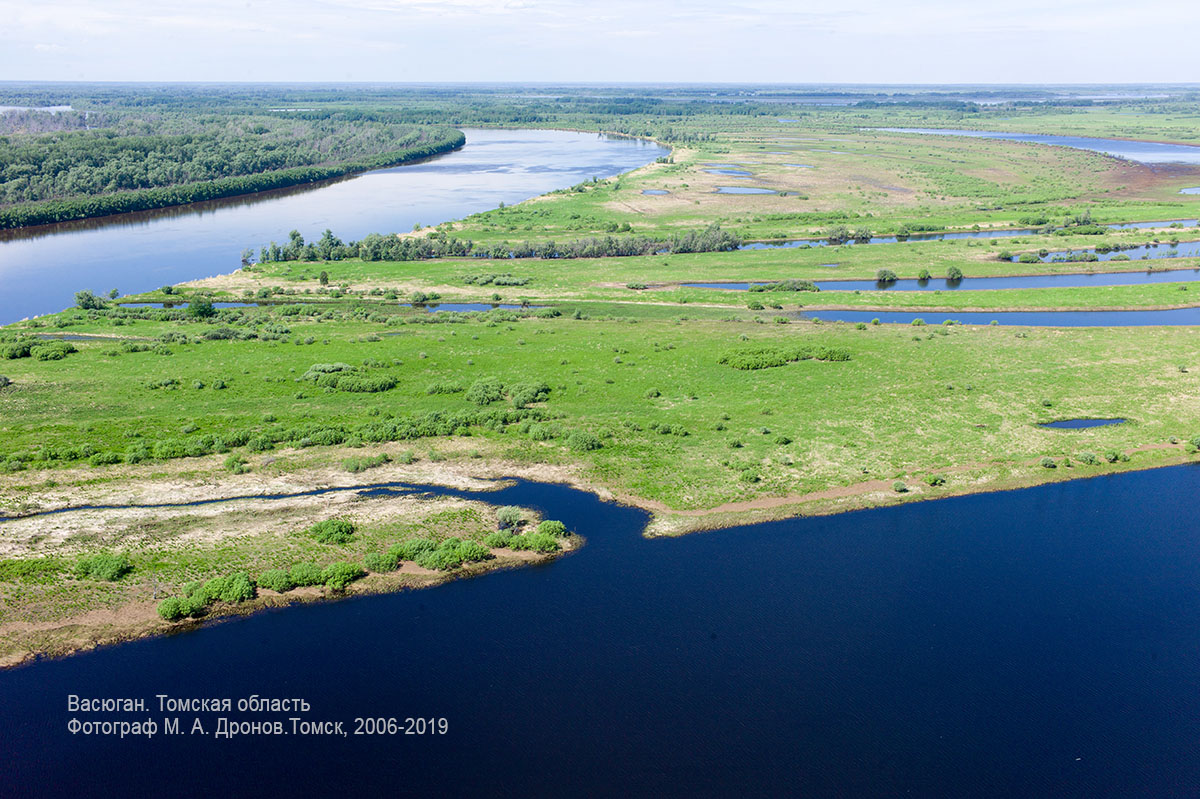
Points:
point(324, 278)
point(88, 301)
point(201, 308)
point(954, 273)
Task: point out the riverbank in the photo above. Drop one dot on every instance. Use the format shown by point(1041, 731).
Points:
point(50, 605)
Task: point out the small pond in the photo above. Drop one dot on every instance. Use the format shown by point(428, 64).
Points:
point(743, 190)
point(1078, 424)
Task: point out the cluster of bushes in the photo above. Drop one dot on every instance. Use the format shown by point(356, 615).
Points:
point(431, 424)
point(487, 390)
point(343, 377)
point(332, 531)
point(765, 356)
point(786, 285)
point(198, 596)
point(505, 279)
point(40, 350)
point(104, 566)
point(358, 464)
point(443, 556)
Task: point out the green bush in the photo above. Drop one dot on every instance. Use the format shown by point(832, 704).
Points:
point(104, 567)
point(305, 574)
point(52, 350)
point(537, 542)
point(1048, 463)
point(276, 580)
point(1112, 456)
point(935, 480)
point(410, 548)
point(498, 540)
point(899, 487)
point(333, 531)
point(361, 464)
point(1088, 458)
point(381, 562)
point(232, 588)
point(885, 276)
point(582, 441)
point(171, 609)
point(485, 391)
point(337, 576)
point(953, 273)
point(552, 527)
point(194, 606)
point(508, 516)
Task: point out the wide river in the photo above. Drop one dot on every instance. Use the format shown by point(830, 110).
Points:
point(1040, 642)
point(41, 269)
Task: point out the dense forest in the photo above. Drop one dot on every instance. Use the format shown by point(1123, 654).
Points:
point(137, 162)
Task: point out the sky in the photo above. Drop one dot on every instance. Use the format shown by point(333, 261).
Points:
point(598, 41)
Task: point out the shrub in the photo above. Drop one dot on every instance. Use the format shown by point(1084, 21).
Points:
point(171, 609)
point(104, 567)
point(89, 301)
point(935, 480)
point(923, 274)
point(899, 487)
point(52, 350)
point(381, 562)
point(953, 273)
point(472, 551)
point(885, 276)
point(332, 531)
point(236, 587)
point(410, 548)
point(1112, 456)
point(508, 517)
point(276, 580)
point(201, 308)
point(338, 576)
point(552, 527)
point(499, 539)
point(523, 394)
point(1088, 458)
point(536, 542)
point(361, 464)
point(305, 574)
point(5, 382)
point(1048, 463)
point(486, 391)
point(581, 441)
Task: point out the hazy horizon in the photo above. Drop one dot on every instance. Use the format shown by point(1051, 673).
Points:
point(757, 42)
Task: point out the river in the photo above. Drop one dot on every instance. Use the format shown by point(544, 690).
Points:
point(42, 268)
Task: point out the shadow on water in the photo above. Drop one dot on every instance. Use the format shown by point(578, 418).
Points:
point(1033, 642)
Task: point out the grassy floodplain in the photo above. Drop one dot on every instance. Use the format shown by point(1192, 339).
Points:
point(708, 407)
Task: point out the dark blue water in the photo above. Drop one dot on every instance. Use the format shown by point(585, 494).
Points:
point(1174, 316)
point(1031, 643)
point(743, 190)
point(42, 268)
point(1148, 152)
point(1080, 424)
point(1074, 280)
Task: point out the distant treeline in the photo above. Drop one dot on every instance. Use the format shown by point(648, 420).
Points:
point(419, 144)
point(391, 247)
